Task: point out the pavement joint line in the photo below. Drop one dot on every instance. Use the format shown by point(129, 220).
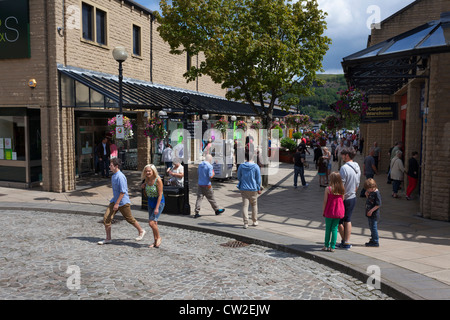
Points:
point(283, 243)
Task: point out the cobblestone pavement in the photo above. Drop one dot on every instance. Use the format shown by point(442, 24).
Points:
point(41, 254)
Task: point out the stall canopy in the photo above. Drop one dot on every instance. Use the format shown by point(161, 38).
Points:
point(386, 67)
point(83, 88)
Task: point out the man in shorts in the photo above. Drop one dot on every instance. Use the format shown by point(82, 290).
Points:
point(119, 202)
point(351, 176)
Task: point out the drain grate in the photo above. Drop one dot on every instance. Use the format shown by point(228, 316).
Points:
point(234, 244)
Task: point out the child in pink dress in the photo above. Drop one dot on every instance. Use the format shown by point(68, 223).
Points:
point(333, 210)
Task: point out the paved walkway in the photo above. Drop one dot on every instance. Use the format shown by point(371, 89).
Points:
point(413, 257)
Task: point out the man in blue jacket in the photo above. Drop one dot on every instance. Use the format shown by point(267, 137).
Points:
point(205, 174)
point(249, 176)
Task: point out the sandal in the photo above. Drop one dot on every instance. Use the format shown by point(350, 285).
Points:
point(156, 244)
point(324, 249)
point(330, 250)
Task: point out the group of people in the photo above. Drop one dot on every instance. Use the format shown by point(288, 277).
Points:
point(340, 200)
point(397, 170)
point(249, 177)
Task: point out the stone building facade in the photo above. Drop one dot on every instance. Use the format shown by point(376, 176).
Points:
point(38, 136)
point(423, 106)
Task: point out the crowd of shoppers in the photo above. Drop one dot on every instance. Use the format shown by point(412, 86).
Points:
point(339, 195)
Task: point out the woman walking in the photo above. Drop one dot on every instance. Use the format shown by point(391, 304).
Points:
point(153, 186)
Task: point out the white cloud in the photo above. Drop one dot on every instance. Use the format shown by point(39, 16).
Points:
point(347, 24)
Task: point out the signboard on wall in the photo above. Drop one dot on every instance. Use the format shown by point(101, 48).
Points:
point(381, 112)
point(14, 29)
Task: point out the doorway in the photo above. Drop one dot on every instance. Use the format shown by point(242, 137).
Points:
point(90, 132)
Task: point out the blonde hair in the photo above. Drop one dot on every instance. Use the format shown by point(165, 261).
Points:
point(370, 183)
point(153, 168)
point(336, 184)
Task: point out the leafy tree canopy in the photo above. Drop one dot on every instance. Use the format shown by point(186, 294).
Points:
point(258, 49)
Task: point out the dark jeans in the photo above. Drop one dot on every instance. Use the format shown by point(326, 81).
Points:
point(299, 171)
point(396, 185)
point(104, 166)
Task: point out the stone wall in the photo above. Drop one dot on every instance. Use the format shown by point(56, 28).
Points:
point(427, 133)
point(435, 197)
point(50, 47)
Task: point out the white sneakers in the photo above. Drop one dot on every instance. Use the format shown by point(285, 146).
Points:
point(139, 238)
point(141, 235)
point(254, 224)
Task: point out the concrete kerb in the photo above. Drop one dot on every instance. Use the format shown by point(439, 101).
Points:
point(264, 238)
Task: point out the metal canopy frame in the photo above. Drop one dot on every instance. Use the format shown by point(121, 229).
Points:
point(386, 67)
point(140, 95)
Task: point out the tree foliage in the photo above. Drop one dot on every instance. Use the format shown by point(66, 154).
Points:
point(261, 50)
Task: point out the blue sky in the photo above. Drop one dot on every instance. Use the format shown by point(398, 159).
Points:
point(347, 22)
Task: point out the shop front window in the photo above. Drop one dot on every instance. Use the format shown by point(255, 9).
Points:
point(12, 138)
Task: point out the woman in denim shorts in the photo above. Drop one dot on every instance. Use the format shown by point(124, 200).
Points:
point(153, 186)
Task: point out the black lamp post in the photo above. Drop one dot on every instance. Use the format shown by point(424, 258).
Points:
point(120, 55)
point(187, 207)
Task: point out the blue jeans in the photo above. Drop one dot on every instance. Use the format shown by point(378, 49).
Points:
point(373, 226)
point(299, 171)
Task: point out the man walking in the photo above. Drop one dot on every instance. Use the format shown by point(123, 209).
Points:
point(119, 202)
point(205, 174)
point(351, 175)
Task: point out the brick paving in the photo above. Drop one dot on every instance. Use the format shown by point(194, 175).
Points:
point(40, 251)
point(413, 256)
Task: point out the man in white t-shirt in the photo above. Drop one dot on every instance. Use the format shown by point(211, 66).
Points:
point(351, 176)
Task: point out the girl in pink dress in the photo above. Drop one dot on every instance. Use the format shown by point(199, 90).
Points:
point(333, 210)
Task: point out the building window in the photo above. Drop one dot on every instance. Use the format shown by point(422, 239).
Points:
point(94, 24)
point(188, 62)
point(136, 40)
point(88, 19)
point(101, 26)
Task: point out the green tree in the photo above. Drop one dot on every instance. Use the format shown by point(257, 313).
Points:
point(258, 49)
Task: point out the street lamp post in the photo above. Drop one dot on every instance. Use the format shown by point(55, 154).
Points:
point(120, 55)
point(187, 207)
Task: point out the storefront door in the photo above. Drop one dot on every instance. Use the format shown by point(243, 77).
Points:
point(90, 131)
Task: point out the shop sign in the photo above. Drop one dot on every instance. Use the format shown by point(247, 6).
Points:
point(14, 29)
point(381, 112)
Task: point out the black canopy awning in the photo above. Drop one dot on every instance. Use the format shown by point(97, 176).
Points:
point(144, 95)
point(386, 67)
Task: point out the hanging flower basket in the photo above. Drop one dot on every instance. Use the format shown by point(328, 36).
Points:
point(222, 125)
point(127, 126)
point(280, 124)
point(333, 122)
point(351, 106)
point(297, 120)
point(155, 129)
point(241, 125)
point(256, 125)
